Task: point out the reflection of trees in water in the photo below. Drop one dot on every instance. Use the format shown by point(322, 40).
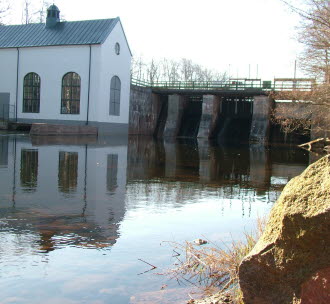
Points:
point(112, 170)
point(68, 171)
point(171, 194)
point(29, 169)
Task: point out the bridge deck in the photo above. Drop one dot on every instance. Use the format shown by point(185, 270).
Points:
point(239, 87)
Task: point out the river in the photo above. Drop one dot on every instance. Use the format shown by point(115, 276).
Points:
point(81, 217)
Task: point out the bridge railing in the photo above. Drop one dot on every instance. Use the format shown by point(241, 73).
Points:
point(294, 84)
point(232, 84)
point(279, 84)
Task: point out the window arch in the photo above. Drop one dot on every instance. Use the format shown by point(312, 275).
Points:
point(115, 88)
point(70, 102)
point(31, 93)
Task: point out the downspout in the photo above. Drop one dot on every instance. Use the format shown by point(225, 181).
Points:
point(89, 82)
point(17, 71)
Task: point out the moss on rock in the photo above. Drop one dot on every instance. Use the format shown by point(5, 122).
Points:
point(296, 241)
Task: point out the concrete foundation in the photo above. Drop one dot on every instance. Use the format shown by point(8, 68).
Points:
point(49, 129)
point(176, 105)
point(262, 107)
point(210, 113)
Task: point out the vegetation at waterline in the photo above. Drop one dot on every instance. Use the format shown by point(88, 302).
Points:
point(213, 268)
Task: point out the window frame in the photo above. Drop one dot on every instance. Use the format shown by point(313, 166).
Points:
point(117, 48)
point(115, 96)
point(31, 93)
point(71, 104)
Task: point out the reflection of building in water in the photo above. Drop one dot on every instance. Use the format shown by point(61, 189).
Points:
point(68, 171)
point(29, 169)
point(3, 151)
point(112, 168)
point(71, 185)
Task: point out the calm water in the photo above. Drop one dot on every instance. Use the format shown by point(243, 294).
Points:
point(77, 214)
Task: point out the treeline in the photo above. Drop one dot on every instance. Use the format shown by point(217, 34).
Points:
point(173, 70)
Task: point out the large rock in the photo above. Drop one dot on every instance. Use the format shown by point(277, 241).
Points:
point(291, 261)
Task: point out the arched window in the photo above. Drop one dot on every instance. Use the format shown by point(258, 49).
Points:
point(115, 87)
point(70, 103)
point(31, 93)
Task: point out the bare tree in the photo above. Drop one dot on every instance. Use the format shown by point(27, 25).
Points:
point(292, 117)
point(34, 11)
point(42, 11)
point(153, 72)
point(26, 12)
point(314, 35)
point(170, 70)
point(138, 68)
point(4, 9)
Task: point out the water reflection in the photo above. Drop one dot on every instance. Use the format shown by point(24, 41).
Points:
point(120, 199)
point(211, 165)
point(3, 151)
point(112, 168)
point(68, 171)
point(166, 173)
point(60, 196)
point(29, 169)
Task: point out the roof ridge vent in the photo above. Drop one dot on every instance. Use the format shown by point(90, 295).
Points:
point(53, 16)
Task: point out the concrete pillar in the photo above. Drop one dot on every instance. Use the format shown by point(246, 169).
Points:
point(210, 113)
point(176, 105)
point(262, 107)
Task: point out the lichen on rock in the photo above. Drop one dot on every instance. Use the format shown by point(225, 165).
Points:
point(295, 246)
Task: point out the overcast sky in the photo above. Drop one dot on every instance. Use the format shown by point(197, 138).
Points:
point(219, 34)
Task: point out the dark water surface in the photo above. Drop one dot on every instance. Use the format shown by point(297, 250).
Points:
point(77, 214)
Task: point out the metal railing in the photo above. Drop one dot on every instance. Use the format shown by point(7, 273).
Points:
point(232, 84)
point(239, 84)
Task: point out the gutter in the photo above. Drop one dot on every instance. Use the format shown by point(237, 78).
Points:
point(89, 82)
point(17, 71)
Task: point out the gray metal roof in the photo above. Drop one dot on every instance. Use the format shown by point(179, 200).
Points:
point(64, 33)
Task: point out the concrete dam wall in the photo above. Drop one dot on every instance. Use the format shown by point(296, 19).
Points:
point(202, 116)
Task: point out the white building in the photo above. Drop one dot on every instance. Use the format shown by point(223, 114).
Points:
point(66, 72)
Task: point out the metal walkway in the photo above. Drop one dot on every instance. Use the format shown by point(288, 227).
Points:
point(241, 86)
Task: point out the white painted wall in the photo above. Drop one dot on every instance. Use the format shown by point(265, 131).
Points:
point(112, 65)
point(51, 64)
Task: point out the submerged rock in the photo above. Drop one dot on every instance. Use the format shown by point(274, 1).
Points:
point(200, 242)
point(291, 261)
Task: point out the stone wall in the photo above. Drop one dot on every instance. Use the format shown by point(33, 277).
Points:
point(144, 111)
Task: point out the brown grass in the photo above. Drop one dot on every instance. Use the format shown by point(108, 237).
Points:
point(214, 268)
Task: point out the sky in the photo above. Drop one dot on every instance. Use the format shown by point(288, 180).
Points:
point(255, 38)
